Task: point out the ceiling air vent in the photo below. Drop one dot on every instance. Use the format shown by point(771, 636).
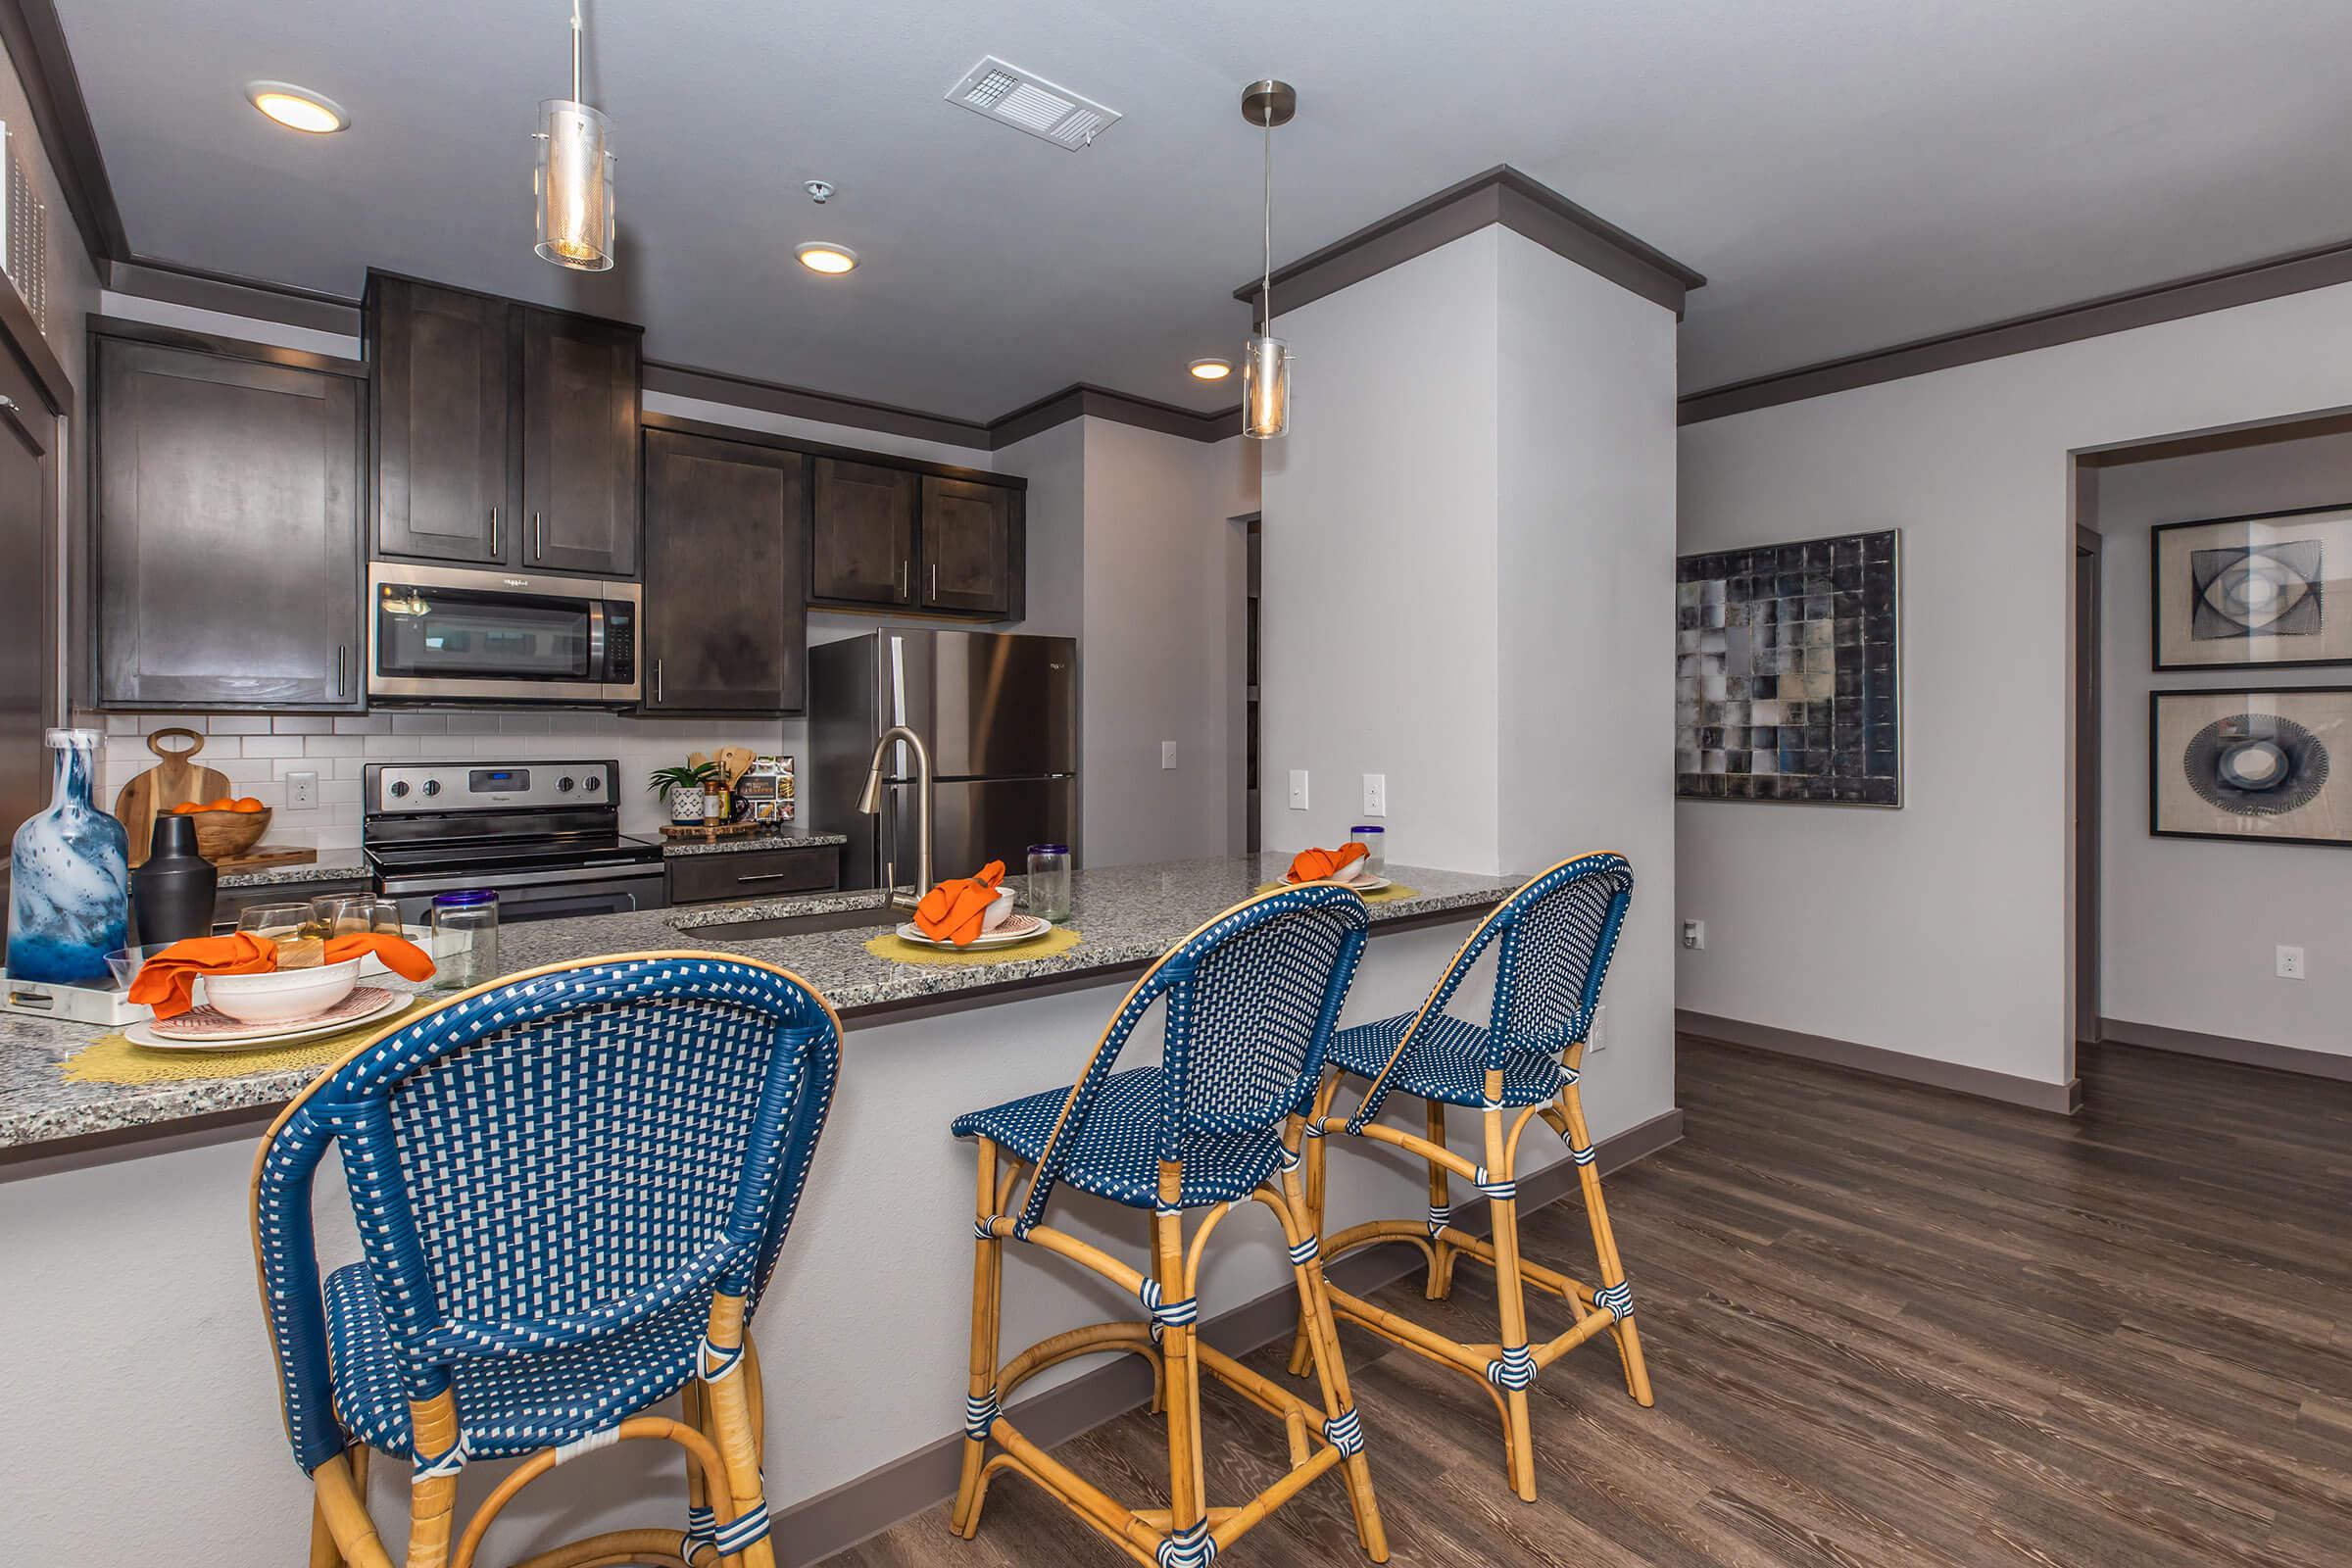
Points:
point(1014, 97)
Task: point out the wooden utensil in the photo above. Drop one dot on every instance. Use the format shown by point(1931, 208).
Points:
point(177, 779)
point(734, 762)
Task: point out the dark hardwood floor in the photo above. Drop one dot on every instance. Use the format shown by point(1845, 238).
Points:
point(1887, 1326)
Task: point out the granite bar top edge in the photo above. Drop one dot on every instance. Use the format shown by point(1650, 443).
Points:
point(1135, 914)
point(672, 850)
point(332, 865)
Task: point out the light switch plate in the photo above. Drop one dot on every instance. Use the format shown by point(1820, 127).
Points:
point(1376, 794)
point(1695, 935)
point(302, 792)
point(1297, 789)
point(1168, 753)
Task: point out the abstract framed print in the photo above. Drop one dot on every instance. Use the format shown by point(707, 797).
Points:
point(2266, 591)
point(2269, 767)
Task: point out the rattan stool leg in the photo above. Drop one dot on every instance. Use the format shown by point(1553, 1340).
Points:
point(1604, 1247)
point(1317, 1322)
point(1312, 1149)
point(1188, 1501)
point(694, 1411)
point(1510, 1297)
point(1440, 1201)
point(341, 1502)
point(731, 1421)
point(980, 1396)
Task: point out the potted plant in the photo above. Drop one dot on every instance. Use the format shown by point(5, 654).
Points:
point(685, 786)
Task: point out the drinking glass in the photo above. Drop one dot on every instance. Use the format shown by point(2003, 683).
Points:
point(465, 939)
point(1049, 881)
point(300, 938)
point(1374, 838)
point(340, 915)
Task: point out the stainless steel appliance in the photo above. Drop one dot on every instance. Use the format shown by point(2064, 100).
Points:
point(456, 634)
point(544, 836)
point(999, 715)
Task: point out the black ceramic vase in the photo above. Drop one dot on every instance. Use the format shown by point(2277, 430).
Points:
point(171, 893)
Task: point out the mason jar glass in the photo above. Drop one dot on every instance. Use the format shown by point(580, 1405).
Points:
point(1049, 881)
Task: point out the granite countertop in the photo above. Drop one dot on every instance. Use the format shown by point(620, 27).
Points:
point(333, 865)
point(753, 841)
point(1128, 916)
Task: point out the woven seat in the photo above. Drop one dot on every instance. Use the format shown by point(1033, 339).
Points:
point(1448, 1062)
point(1115, 1154)
point(1250, 1002)
point(569, 1188)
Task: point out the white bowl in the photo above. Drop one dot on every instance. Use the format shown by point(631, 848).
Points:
point(998, 912)
point(284, 996)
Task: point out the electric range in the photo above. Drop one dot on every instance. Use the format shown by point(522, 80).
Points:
point(544, 836)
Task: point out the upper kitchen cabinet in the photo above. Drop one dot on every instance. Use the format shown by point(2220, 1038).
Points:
point(921, 538)
point(226, 523)
point(726, 543)
point(506, 435)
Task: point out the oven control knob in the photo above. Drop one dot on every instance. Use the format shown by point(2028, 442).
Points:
point(563, 785)
point(432, 786)
point(400, 787)
point(595, 783)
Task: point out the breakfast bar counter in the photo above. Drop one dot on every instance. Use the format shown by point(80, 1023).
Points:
point(124, 1217)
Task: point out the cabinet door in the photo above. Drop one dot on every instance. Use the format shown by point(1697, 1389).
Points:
point(444, 477)
point(864, 533)
point(579, 445)
point(726, 611)
point(226, 531)
point(967, 546)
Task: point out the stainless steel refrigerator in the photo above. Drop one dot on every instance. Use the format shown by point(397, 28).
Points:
point(998, 713)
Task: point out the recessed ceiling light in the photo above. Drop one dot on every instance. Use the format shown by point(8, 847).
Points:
point(822, 256)
point(297, 108)
point(1211, 369)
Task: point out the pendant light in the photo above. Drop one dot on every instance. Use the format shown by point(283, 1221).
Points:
point(575, 178)
point(1266, 360)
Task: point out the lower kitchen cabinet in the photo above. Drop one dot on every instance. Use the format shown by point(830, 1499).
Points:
point(754, 873)
point(726, 542)
point(226, 523)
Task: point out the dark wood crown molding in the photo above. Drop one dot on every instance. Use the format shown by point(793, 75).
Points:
point(2273, 277)
point(252, 298)
point(36, 42)
point(1501, 195)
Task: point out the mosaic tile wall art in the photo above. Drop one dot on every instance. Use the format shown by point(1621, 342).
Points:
point(1787, 673)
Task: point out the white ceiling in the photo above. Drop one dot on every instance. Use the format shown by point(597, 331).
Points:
point(1847, 175)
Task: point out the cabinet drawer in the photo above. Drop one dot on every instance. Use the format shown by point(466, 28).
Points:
point(754, 874)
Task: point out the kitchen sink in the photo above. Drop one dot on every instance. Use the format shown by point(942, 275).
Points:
point(795, 925)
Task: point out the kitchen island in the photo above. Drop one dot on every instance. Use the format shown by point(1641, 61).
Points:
point(131, 1305)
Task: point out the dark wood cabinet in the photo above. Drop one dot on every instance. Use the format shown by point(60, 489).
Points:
point(754, 873)
point(446, 471)
point(726, 618)
point(226, 523)
point(504, 434)
point(968, 541)
point(864, 533)
point(579, 444)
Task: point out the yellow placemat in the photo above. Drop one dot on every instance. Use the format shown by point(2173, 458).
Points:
point(898, 949)
point(1388, 894)
point(114, 1059)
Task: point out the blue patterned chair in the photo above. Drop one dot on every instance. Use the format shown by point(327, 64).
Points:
point(569, 1188)
point(1552, 941)
point(1251, 1001)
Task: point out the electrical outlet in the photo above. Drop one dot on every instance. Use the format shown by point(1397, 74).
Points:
point(1695, 935)
point(2290, 963)
point(1297, 789)
point(1376, 794)
point(1597, 1038)
point(1168, 755)
point(302, 792)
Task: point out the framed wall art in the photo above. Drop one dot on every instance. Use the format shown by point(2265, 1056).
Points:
point(2266, 591)
point(2253, 766)
point(1787, 673)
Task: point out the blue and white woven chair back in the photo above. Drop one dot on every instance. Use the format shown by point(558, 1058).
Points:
point(557, 1159)
point(1560, 932)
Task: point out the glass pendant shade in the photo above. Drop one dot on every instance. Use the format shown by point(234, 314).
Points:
point(1265, 388)
point(575, 185)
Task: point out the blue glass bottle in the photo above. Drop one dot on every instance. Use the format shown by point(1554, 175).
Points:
point(69, 900)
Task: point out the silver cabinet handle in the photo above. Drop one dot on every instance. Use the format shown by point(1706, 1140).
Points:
point(766, 876)
point(935, 582)
point(902, 565)
point(656, 680)
point(538, 544)
point(493, 533)
point(342, 665)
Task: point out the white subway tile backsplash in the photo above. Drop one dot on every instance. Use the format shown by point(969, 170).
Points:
point(365, 724)
point(348, 766)
point(474, 723)
point(420, 723)
point(522, 723)
point(336, 745)
point(300, 724)
point(219, 750)
point(339, 792)
point(123, 724)
point(237, 724)
point(339, 837)
point(273, 745)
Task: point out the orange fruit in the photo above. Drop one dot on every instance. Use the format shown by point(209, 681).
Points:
point(221, 803)
point(247, 803)
point(185, 807)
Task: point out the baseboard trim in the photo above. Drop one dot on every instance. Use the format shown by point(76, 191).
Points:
point(2224, 1048)
point(834, 1520)
point(2062, 1100)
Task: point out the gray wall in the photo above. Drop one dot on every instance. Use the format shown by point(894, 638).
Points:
point(2189, 928)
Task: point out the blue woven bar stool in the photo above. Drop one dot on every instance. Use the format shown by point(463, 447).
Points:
point(1252, 999)
point(1554, 939)
point(570, 1187)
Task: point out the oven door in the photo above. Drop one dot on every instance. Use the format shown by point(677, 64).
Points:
point(540, 895)
point(442, 634)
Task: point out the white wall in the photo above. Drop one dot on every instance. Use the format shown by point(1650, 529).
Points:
point(1378, 642)
point(1941, 930)
point(2189, 928)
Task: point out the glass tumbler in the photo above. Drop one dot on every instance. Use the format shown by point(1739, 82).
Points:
point(1374, 838)
point(301, 941)
point(465, 939)
point(340, 915)
point(1049, 881)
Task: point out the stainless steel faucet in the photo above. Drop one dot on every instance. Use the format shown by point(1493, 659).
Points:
point(869, 801)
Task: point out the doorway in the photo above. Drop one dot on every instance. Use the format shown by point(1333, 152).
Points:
point(2087, 630)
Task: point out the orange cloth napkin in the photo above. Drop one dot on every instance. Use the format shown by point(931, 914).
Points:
point(401, 957)
point(952, 910)
point(1314, 865)
point(167, 981)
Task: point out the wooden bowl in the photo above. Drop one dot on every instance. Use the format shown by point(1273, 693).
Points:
point(225, 835)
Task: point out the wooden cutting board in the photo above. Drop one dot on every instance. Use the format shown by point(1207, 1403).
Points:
point(176, 780)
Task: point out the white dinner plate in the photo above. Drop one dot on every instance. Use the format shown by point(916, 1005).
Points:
point(275, 1034)
point(1017, 929)
point(1367, 882)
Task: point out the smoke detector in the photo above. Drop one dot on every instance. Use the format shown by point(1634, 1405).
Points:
point(1029, 103)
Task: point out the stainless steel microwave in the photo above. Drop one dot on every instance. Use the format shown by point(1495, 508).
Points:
point(468, 634)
